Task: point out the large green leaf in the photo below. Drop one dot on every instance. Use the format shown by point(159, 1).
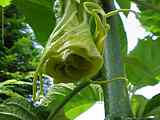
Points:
point(153, 106)
point(138, 103)
point(78, 104)
point(143, 63)
point(83, 101)
point(14, 88)
point(147, 51)
point(144, 108)
point(17, 108)
point(9, 93)
point(39, 15)
point(156, 113)
point(138, 73)
point(149, 15)
point(5, 3)
point(5, 88)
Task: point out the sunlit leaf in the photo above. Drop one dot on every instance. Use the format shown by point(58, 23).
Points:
point(5, 3)
point(138, 103)
point(39, 15)
point(149, 15)
point(143, 63)
point(78, 104)
point(17, 108)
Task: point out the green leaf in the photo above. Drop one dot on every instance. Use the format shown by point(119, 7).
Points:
point(125, 4)
point(14, 88)
point(8, 92)
point(79, 103)
point(138, 73)
point(13, 82)
point(155, 112)
point(153, 106)
point(39, 15)
point(149, 15)
point(83, 101)
point(143, 63)
point(147, 52)
point(18, 108)
point(5, 3)
point(9, 116)
point(77, 110)
point(138, 103)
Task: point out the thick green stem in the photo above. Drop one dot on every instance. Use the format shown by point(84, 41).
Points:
point(116, 99)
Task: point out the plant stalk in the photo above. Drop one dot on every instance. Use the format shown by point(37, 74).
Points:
point(116, 98)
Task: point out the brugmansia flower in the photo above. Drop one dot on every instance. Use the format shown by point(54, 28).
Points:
point(73, 52)
point(73, 56)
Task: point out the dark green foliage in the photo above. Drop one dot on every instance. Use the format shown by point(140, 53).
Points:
point(138, 103)
point(152, 104)
point(78, 103)
point(13, 26)
point(14, 87)
point(149, 15)
point(17, 53)
point(39, 15)
point(18, 57)
point(144, 108)
point(17, 108)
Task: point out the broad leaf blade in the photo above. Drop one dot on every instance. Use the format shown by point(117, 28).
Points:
point(18, 108)
point(15, 88)
point(5, 3)
point(145, 67)
point(83, 101)
point(149, 15)
point(85, 98)
point(138, 73)
point(152, 105)
point(155, 112)
point(39, 16)
point(138, 105)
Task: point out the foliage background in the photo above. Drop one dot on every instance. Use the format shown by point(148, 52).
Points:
point(27, 27)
